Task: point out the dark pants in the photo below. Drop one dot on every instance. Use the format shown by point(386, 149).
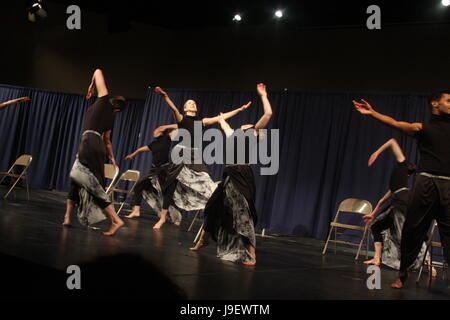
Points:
point(379, 226)
point(430, 200)
point(146, 184)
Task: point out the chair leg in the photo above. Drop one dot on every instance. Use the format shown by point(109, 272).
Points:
point(193, 220)
point(6, 195)
point(361, 242)
point(121, 206)
point(198, 233)
point(6, 174)
point(423, 263)
point(335, 238)
point(28, 190)
point(328, 239)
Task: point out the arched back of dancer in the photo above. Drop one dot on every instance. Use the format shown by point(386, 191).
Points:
point(10, 102)
point(388, 225)
point(196, 184)
point(149, 187)
point(87, 174)
point(429, 198)
point(230, 214)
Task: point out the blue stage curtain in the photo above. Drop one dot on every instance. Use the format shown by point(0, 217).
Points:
point(324, 148)
point(324, 144)
point(49, 127)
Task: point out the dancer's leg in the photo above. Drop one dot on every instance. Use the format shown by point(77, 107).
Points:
point(116, 222)
point(420, 214)
point(72, 198)
point(251, 249)
point(167, 201)
point(202, 242)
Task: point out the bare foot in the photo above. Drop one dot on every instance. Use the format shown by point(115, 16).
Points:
point(373, 261)
point(133, 215)
point(250, 262)
point(66, 222)
point(199, 244)
point(177, 223)
point(397, 284)
point(116, 225)
point(433, 272)
point(159, 224)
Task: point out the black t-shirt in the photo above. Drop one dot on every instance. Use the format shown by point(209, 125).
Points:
point(99, 116)
point(399, 177)
point(434, 146)
point(188, 124)
point(160, 149)
point(245, 146)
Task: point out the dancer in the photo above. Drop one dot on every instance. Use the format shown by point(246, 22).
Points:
point(7, 103)
point(149, 187)
point(430, 198)
point(230, 214)
point(387, 226)
point(189, 185)
point(87, 174)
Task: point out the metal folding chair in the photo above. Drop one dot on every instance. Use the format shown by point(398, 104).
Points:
point(430, 245)
point(355, 206)
point(111, 173)
point(25, 161)
point(129, 175)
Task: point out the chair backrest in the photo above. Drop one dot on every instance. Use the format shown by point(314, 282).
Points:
point(356, 206)
point(111, 172)
point(130, 175)
point(23, 160)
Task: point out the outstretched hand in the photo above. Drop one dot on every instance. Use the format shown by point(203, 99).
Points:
point(245, 106)
point(160, 91)
point(261, 89)
point(372, 158)
point(24, 99)
point(129, 157)
point(363, 107)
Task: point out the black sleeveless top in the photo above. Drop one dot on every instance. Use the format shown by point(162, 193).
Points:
point(99, 116)
point(245, 148)
point(160, 149)
point(434, 146)
point(188, 123)
point(399, 177)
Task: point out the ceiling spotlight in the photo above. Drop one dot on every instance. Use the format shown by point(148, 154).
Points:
point(238, 17)
point(36, 11)
point(446, 3)
point(279, 14)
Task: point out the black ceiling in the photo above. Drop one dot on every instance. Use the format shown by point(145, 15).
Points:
point(298, 14)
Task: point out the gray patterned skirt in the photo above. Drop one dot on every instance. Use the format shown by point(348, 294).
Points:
point(154, 196)
point(230, 214)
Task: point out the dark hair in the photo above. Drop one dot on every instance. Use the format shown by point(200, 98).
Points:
point(411, 167)
point(436, 96)
point(119, 102)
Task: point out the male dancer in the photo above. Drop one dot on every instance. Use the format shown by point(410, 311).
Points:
point(431, 192)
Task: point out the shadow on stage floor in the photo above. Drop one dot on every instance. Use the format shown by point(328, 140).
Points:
point(138, 262)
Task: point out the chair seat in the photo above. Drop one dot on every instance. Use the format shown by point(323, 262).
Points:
point(13, 175)
point(346, 226)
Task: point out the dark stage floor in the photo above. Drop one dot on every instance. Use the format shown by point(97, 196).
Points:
point(33, 244)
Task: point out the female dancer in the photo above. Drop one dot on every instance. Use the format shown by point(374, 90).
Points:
point(189, 185)
point(230, 214)
point(7, 103)
point(387, 226)
point(149, 187)
point(87, 174)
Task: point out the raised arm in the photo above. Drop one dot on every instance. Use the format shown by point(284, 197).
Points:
point(108, 145)
point(369, 217)
point(224, 125)
point(176, 114)
point(264, 120)
point(136, 152)
point(391, 143)
point(97, 83)
point(7, 103)
point(226, 115)
point(365, 108)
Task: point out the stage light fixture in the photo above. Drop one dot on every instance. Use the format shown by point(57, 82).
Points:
point(446, 3)
point(237, 17)
point(279, 14)
point(36, 11)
